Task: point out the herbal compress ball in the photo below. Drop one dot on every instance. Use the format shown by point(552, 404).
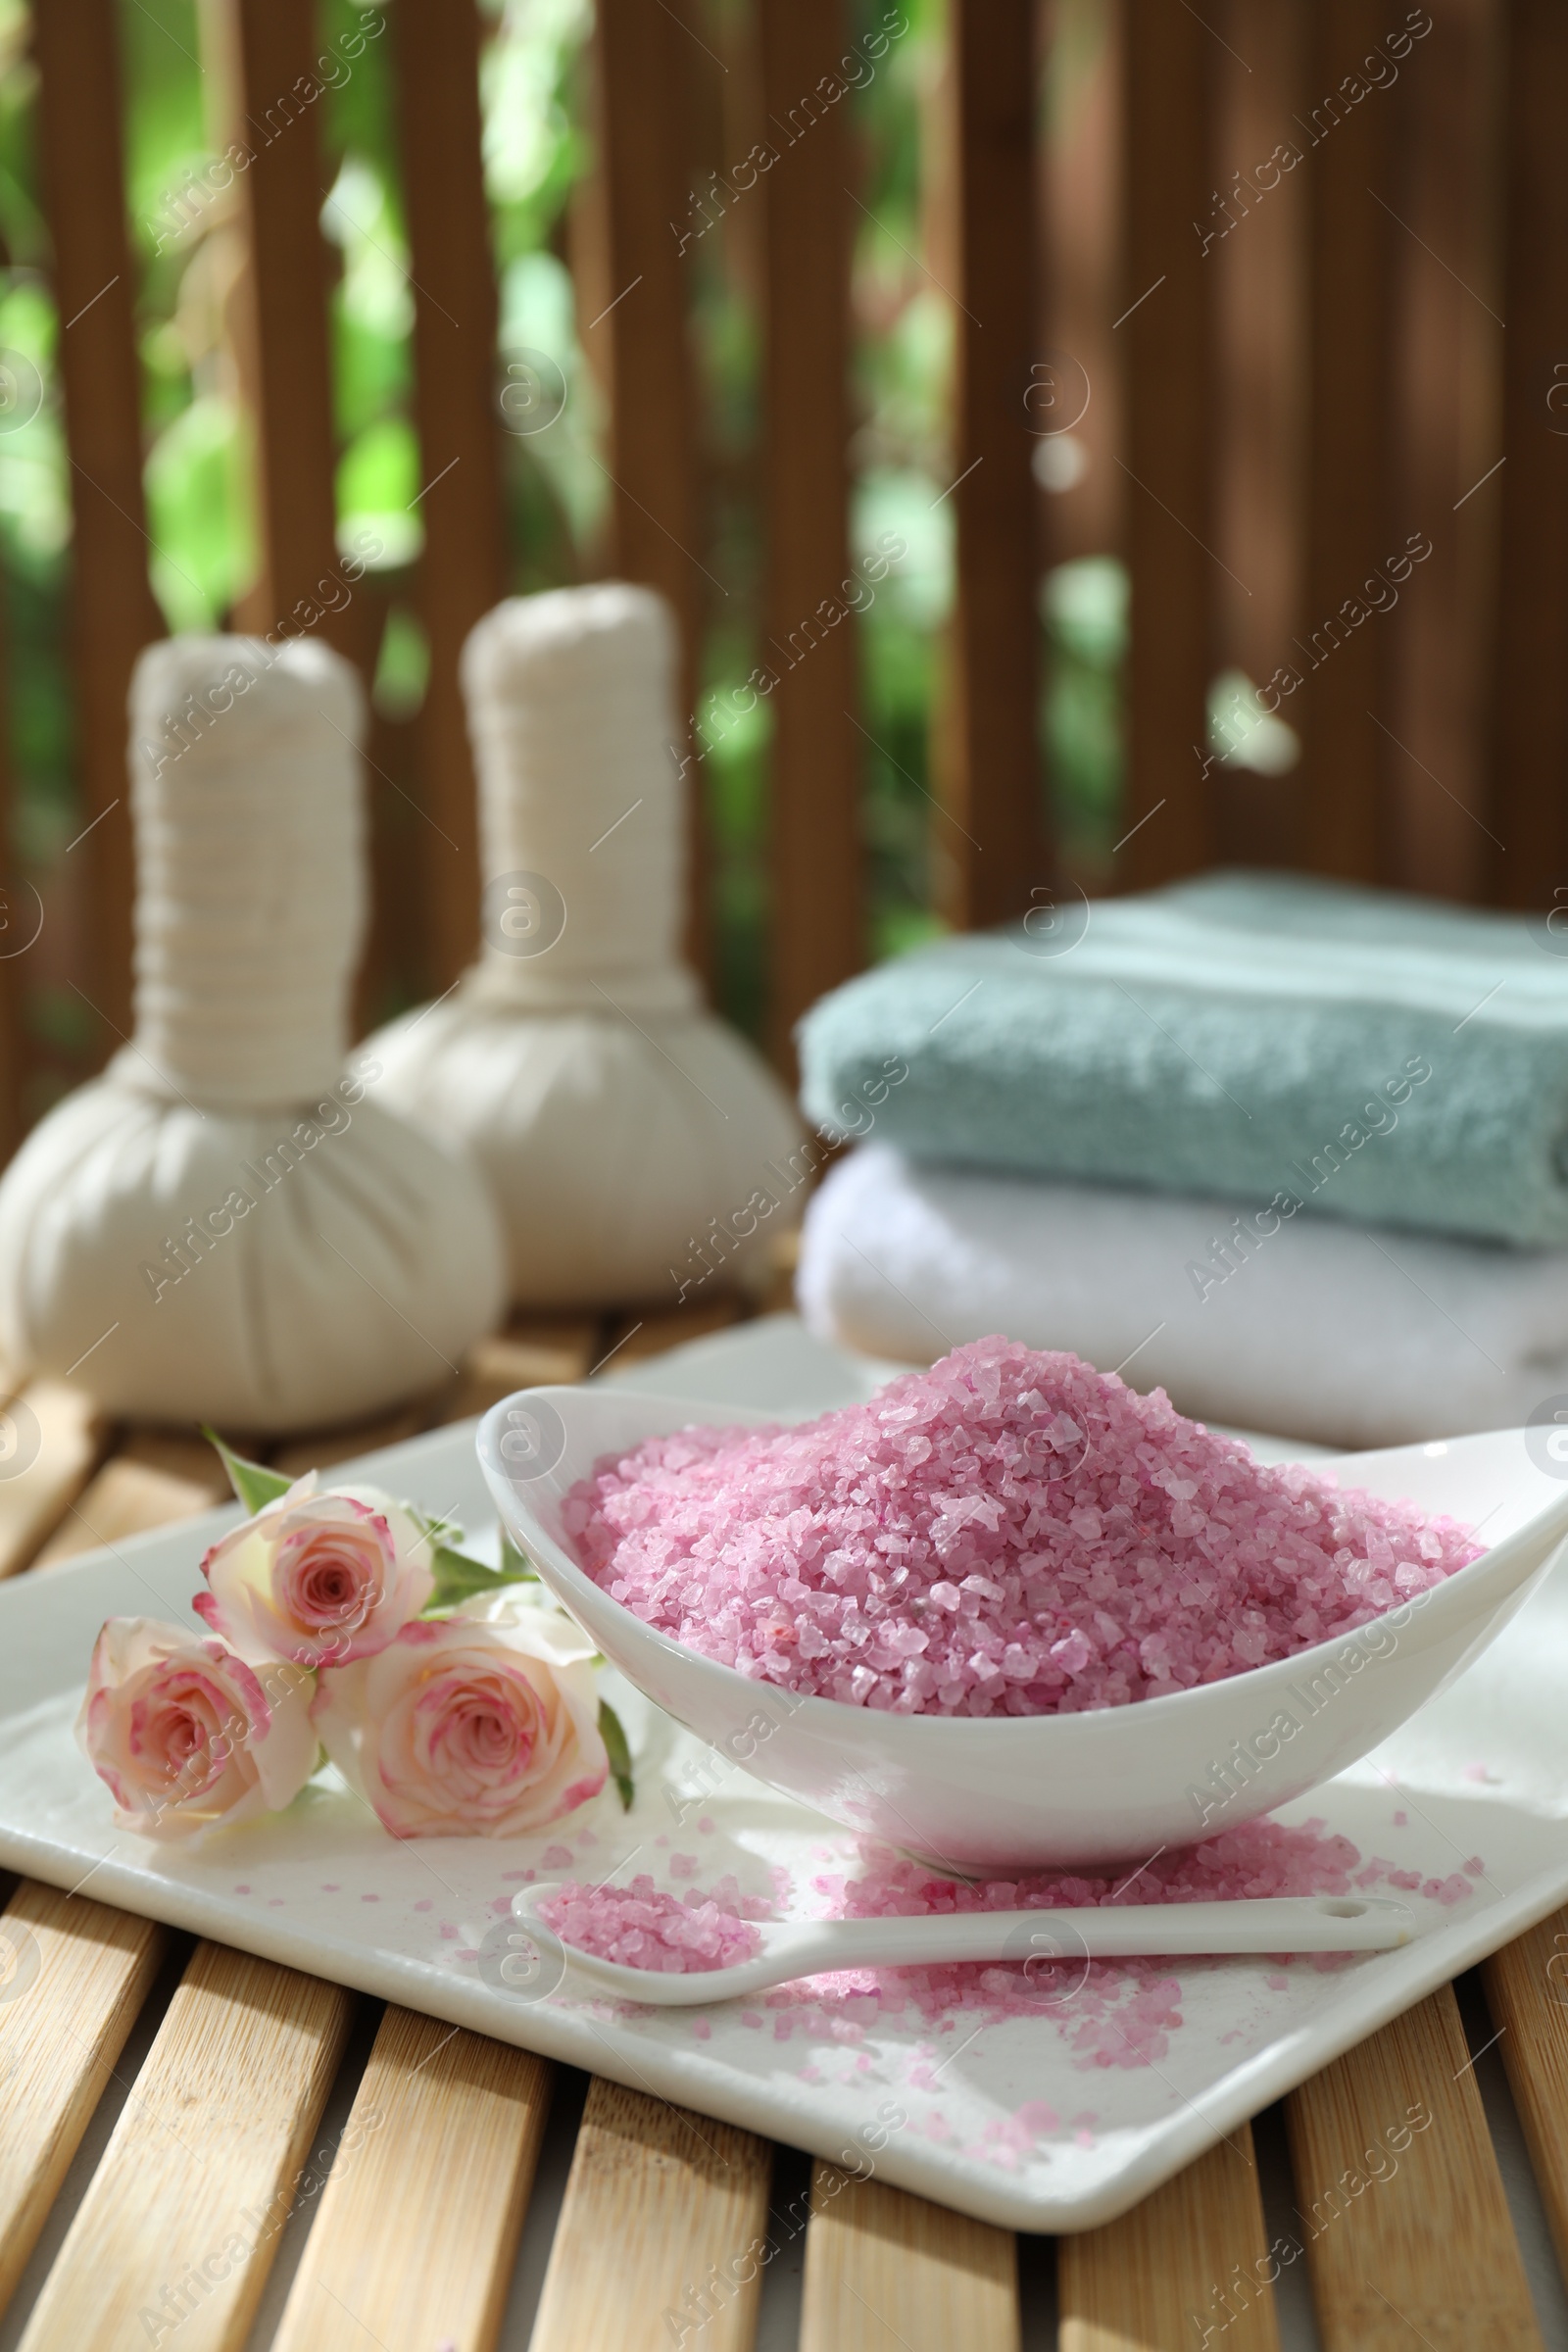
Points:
point(638, 1149)
point(227, 1224)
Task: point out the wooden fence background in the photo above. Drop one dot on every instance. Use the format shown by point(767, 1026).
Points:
point(1276, 242)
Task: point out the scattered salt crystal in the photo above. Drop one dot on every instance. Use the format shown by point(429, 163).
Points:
point(1117, 2014)
point(1037, 2116)
point(640, 1927)
point(1029, 1580)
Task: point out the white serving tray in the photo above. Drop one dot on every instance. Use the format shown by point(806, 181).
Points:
point(1480, 1771)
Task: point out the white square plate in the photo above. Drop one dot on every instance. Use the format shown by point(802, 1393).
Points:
point(953, 2113)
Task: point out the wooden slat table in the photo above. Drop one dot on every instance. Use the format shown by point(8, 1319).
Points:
point(202, 2149)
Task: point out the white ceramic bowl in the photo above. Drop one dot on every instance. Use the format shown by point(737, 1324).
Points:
point(988, 1796)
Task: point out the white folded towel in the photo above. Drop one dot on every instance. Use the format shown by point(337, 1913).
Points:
point(1351, 1335)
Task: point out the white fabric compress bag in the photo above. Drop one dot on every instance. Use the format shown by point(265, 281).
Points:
point(229, 1224)
point(637, 1147)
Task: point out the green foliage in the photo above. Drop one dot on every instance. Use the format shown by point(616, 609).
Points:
point(617, 1749)
point(1085, 605)
point(459, 1577)
point(253, 1483)
point(198, 503)
point(537, 146)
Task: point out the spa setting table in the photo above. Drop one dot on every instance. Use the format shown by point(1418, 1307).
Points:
point(739, 616)
point(429, 2186)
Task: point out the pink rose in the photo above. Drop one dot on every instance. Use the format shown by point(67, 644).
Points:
point(185, 1734)
point(322, 1579)
point(484, 1724)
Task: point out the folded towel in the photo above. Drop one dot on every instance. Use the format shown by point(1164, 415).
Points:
point(1321, 1328)
point(1370, 1055)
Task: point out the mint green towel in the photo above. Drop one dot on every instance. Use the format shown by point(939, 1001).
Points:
point(1369, 1054)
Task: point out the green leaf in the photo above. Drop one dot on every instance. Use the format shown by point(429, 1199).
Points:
point(254, 1483)
point(458, 1576)
point(612, 1732)
point(440, 1531)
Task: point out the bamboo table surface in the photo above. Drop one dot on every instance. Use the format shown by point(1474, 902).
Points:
point(206, 2150)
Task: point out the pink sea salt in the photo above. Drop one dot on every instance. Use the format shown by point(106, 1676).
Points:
point(1259, 1858)
point(640, 1927)
point(1111, 2013)
point(1009, 1533)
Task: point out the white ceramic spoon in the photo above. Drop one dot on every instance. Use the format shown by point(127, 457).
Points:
point(1051, 1947)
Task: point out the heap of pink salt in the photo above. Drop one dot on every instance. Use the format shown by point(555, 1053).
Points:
point(640, 1927)
point(1009, 1533)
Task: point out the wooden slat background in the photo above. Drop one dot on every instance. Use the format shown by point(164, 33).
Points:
point(94, 1970)
point(1350, 514)
point(1448, 351)
point(206, 2150)
point(280, 334)
point(665, 2212)
point(1290, 377)
point(33, 1503)
point(1528, 712)
point(1527, 1993)
point(884, 2269)
point(810, 219)
point(463, 569)
point(634, 324)
point(417, 2227)
point(1383, 2266)
point(994, 846)
point(113, 613)
point(1166, 336)
point(1141, 2279)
